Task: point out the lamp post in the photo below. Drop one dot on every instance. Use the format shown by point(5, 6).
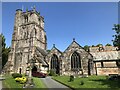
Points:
point(29, 83)
point(32, 61)
point(29, 61)
point(30, 72)
point(20, 61)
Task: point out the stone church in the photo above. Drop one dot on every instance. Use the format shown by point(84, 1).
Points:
point(29, 50)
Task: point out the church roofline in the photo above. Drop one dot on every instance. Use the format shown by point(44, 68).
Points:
point(98, 60)
point(79, 46)
point(54, 47)
point(31, 11)
point(18, 9)
point(43, 52)
point(72, 43)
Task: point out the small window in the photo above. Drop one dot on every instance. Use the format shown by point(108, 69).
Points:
point(118, 63)
point(102, 65)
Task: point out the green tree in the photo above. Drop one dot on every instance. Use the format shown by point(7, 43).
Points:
point(48, 51)
point(116, 41)
point(5, 51)
point(99, 45)
point(108, 44)
point(86, 47)
point(93, 46)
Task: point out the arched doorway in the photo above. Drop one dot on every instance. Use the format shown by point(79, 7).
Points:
point(55, 64)
point(34, 69)
point(75, 61)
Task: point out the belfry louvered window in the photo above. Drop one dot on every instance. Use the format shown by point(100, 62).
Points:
point(75, 61)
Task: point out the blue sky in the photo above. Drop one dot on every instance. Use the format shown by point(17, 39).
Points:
point(90, 23)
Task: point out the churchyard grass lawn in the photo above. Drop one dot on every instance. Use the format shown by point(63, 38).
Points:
point(10, 82)
point(38, 83)
point(88, 82)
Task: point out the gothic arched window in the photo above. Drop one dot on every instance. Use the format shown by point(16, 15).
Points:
point(54, 62)
point(75, 61)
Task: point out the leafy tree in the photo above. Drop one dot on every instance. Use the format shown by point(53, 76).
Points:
point(108, 44)
point(116, 41)
point(86, 47)
point(5, 51)
point(99, 45)
point(48, 51)
point(93, 45)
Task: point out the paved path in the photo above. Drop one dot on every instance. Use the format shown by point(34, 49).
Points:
point(52, 84)
point(1, 79)
point(0, 85)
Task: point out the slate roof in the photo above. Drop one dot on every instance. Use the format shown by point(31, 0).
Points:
point(43, 52)
point(106, 55)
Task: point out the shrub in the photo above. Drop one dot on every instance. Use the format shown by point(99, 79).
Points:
point(71, 78)
point(24, 75)
point(81, 83)
point(17, 79)
point(114, 77)
point(56, 75)
point(21, 80)
point(15, 75)
point(52, 73)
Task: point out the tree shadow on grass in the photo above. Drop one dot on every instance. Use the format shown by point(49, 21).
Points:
point(109, 83)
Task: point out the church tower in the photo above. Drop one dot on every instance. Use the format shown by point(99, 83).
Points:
point(29, 41)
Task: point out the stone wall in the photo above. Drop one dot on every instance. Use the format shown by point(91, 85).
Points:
point(58, 53)
point(65, 59)
point(28, 34)
point(106, 67)
point(107, 71)
point(105, 60)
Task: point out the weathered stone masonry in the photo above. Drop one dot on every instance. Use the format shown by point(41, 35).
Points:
point(29, 42)
point(29, 45)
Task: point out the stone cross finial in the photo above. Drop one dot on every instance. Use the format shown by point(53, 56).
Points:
point(53, 45)
point(22, 7)
point(73, 39)
point(26, 9)
point(34, 8)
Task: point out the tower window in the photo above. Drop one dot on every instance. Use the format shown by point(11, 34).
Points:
point(26, 18)
point(118, 63)
point(102, 65)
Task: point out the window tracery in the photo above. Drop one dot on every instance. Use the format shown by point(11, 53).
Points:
point(75, 61)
